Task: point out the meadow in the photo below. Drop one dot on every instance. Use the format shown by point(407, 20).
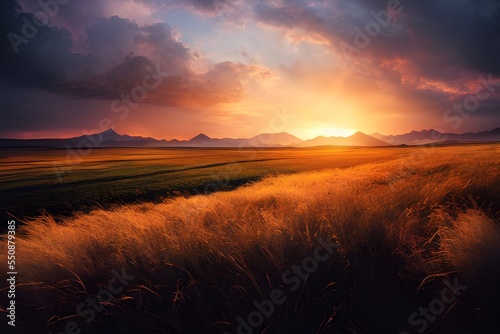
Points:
point(324, 240)
point(58, 182)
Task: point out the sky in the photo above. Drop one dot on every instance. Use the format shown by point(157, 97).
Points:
point(233, 68)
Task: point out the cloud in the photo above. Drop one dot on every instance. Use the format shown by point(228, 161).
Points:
point(429, 52)
point(134, 52)
point(34, 55)
point(119, 55)
point(212, 6)
point(225, 83)
point(439, 40)
point(73, 15)
point(26, 112)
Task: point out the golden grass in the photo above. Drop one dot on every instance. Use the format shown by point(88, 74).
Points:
point(399, 232)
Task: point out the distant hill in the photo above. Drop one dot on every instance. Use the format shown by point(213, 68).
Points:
point(377, 135)
point(201, 138)
point(279, 139)
point(110, 138)
point(262, 140)
point(357, 139)
point(430, 136)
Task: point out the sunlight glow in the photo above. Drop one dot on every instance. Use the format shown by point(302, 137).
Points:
point(330, 132)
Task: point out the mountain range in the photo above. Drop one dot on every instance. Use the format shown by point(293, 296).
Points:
point(357, 139)
point(110, 138)
point(433, 136)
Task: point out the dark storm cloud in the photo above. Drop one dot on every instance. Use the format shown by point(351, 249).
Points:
point(120, 55)
point(204, 6)
point(43, 53)
point(221, 85)
point(29, 111)
point(110, 39)
point(439, 38)
point(74, 15)
point(436, 49)
point(211, 5)
point(134, 53)
point(470, 31)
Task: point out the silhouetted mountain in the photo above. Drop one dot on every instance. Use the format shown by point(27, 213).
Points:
point(413, 138)
point(492, 135)
point(112, 135)
point(433, 136)
point(357, 139)
point(275, 139)
point(200, 138)
point(376, 135)
point(110, 138)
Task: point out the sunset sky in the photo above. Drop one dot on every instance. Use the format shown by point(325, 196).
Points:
point(233, 68)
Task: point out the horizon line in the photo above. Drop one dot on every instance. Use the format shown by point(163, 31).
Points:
point(263, 133)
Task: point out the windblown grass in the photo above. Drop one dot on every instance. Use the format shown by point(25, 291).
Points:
point(200, 262)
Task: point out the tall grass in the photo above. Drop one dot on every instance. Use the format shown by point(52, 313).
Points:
point(200, 262)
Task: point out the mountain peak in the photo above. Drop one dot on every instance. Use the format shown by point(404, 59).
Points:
point(200, 137)
point(357, 139)
point(110, 131)
point(274, 138)
point(110, 134)
point(377, 135)
point(358, 135)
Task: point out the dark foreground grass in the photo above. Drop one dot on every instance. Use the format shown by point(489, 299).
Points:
point(404, 231)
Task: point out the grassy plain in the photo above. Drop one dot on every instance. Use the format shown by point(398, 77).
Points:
point(60, 182)
point(407, 223)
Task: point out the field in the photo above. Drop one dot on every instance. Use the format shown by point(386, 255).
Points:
point(325, 240)
point(59, 182)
